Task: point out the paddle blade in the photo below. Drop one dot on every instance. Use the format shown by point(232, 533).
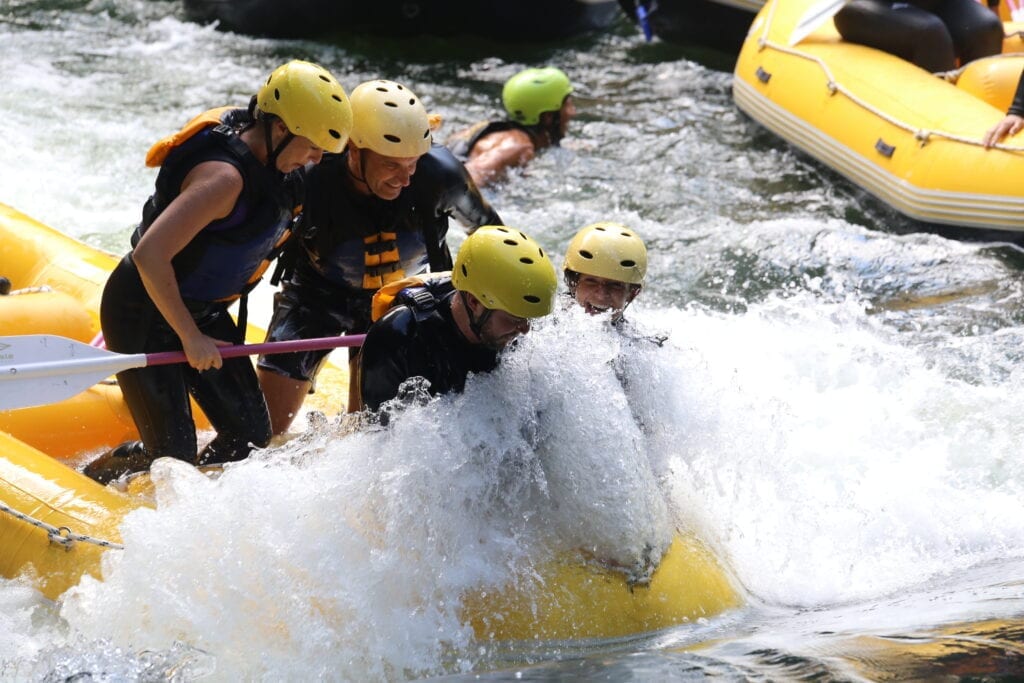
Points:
point(816, 15)
point(36, 369)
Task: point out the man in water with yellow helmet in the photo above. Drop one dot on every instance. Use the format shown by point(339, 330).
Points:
point(458, 324)
point(374, 214)
point(539, 106)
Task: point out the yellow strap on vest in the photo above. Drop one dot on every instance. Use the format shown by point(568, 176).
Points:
point(159, 151)
point(382, 260)
point(385, 296)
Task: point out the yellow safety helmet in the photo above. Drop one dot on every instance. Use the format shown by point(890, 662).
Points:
point(389, 119)
point(608, 250)
point(532, 92)
point(506, 270)
point(310, 102)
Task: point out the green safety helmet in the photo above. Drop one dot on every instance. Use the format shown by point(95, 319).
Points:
point(532, 92)
point(608, 250)
point(506, 270)
point(310, 102)
point(389, 119)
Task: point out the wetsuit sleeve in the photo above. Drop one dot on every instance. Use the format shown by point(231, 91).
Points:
point(455, 192)
point(386, 353)
point(1017, 106)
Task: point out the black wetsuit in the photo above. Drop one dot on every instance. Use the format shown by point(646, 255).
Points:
point(215, 267)
point(419, 340)
point(1017, 106)
point(330, 286)
point(930, 33)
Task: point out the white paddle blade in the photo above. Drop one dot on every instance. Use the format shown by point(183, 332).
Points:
point(816, 15)
point(37, 369)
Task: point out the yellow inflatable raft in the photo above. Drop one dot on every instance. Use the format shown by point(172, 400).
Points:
point(55, 523)
point(911, 138)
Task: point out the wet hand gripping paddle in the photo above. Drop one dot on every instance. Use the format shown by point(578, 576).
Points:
point(36, 369)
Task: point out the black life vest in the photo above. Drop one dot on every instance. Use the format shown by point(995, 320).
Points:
point(226, 258)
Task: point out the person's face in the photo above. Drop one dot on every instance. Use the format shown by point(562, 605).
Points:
point(386, 176)
point(501, 328)
point(297, 153)
point(568, 112)
point(599, 295)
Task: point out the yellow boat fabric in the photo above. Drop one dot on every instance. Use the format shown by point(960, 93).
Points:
point(911, 138)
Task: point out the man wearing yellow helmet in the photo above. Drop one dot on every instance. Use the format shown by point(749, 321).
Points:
point(539, 106)
point(225, 196)
point(604, 268)
point(501, 280)
point(373, 215)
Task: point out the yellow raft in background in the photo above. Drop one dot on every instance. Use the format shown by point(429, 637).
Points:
point(911, 138)
point(55, 523)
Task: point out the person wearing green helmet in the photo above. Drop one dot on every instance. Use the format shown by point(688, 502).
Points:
point(226, 193)
point(375, 214)
point(459, 323)
point(539, 105)
point(604, 269)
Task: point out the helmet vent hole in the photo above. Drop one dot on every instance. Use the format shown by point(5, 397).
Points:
point(527, 260)
point(334, 134)
point(325, 79)
point(465, 272)
point(412, 101)
point(511, 243)
point(381, 88)
point(586, 254)
point(531, 298)
point(600, 228)
point(391, 104)
point(277, 94)
point(336, 98)
point(392, 138)
point(426, 134)
point(627, 263)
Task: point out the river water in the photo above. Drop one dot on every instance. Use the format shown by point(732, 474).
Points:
point(836, 412)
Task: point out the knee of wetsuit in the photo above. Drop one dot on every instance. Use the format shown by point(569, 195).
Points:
point(127, 458)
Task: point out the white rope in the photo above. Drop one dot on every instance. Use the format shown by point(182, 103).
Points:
point(59, 535)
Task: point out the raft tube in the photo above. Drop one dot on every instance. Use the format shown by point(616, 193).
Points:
point(909, 137)
point(505, 20)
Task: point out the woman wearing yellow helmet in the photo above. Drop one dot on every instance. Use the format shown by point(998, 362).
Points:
point(604, 268)
point(539, 106)
point(224, 202)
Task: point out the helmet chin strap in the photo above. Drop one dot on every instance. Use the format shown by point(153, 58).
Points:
point(268, 139)
point(360, 177)
point(475, 324)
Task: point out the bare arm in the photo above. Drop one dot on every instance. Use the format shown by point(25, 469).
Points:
point(496, 153)
point(209, 192)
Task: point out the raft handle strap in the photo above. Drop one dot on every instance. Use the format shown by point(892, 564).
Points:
point(62, 536)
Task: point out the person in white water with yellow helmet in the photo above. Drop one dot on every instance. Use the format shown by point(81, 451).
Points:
point(605, 266)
